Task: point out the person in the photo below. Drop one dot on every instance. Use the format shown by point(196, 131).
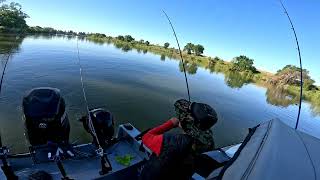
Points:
point(174, 155)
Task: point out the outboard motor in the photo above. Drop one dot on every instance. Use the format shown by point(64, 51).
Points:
point(103, 123)
point(45, 116)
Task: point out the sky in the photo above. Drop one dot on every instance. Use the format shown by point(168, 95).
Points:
point(258, 29)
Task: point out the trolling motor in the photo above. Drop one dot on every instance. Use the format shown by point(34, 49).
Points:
point(46, 122)
point(103, 123)
point(45, 117)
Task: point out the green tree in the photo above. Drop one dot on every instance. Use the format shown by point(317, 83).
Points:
point(243, 63)
point(128, 38)
point(217, 58)
point(166, 45)
point(189, 48)
point(147, 43)
point(198, 49)
point(11, 16)
point(141, 41)
point(121, 38)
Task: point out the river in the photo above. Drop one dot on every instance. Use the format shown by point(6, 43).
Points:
point(137, 87)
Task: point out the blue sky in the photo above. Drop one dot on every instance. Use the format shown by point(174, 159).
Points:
point(256, 28)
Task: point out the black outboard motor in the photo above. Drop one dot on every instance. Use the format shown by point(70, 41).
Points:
point(45, 117)
point(103, 123)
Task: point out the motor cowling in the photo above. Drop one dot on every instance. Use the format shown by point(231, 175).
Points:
point(46, 119)
point(103, 122)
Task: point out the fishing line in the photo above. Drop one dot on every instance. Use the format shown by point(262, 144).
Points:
point(300, 60)
point(183, 65)
point(105, 163)
point(91, 127)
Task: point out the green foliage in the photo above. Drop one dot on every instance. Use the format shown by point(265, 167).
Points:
point(198, 49)
point(82, 34)
point(166, 45)
point(141, 41)
point(98, 35)
point(291, 68)
point(147, 43)
point(120, 37)
point(12, 17)
point(128, 38)
point(189, 48)
point(124, 160)
point(217, 59)
point(308, 84)
point(243, 63)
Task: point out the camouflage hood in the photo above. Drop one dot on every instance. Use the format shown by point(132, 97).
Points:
point(204, 138)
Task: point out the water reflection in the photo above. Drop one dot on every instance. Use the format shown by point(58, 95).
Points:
point(279, 96)
point(191, 67)
point(145, 51)
point(236, 79)
point(163, 57)
point(275, 95)
point(123, 47)
point(9, 44)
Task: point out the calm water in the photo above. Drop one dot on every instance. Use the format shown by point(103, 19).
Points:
point(138, 87)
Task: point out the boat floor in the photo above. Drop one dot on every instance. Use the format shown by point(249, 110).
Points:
point(81, 168)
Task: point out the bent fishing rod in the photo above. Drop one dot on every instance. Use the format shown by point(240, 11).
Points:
point(180, 53)
point(105, 164)
point(300, 60)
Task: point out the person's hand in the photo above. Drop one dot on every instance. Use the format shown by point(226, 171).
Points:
point(175, 121)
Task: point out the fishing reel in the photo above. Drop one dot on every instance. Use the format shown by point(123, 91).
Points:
point(6, 168)
point(3, 152)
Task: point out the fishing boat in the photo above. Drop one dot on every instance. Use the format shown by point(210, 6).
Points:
point(47, 130)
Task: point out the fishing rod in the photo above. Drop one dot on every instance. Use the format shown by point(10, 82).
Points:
point(300, 60)
point(6, 168)
point(183, 65)
point(105, 164)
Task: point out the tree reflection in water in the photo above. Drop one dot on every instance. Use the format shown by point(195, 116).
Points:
point(163, 57)
point(279, 96)
point(9, 43)
point(191, 68)
point(237, 79)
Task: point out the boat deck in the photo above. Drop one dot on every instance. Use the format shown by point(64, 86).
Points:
point(85, 164)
